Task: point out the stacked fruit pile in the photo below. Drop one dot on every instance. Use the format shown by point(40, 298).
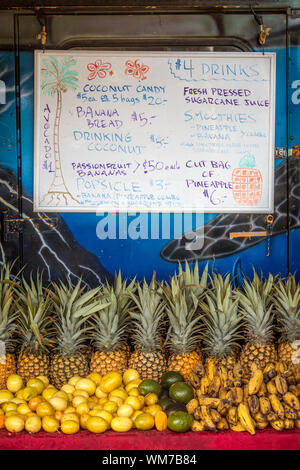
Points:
point(193, 323)
point(225, 399)
point(96, 403)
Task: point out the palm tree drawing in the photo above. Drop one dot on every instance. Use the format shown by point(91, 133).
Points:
point(58, 78)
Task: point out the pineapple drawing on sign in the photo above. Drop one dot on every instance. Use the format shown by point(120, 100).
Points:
point(247, 182)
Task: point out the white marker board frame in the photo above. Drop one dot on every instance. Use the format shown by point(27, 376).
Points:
point(269, 58)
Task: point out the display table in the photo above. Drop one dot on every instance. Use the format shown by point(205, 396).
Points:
point(152, 440)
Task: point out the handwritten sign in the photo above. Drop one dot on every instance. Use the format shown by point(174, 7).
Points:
point(154, 131)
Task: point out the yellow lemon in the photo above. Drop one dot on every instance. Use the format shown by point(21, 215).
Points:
point(14, 423)
point(58, 415)
point(91, 404)
point(70, 409)
point(130, 375)
point(95, 412)
point(117, 400)
point(79, 399)
point(151, 399)
point(96, 424)
point(110, 406)
point(19, 394)
point(141, 399)
point(50, 424)
point(99, 393)
point(121, 393)
point(70, 427)
point(44, 409)
point(29, 392)
point(5, 395)
point(135, 414)
point(144, 421)
point(70, 416)
point(134, 392)
point(58, 403)
point(34, 402)
point(82, 408)
point(83, 420)
point(61, 394)
point(12, 413)
point(110, 382)
point(43, 379)
point(80, 393)
point(14, 383)
point(131, 385)
point(125, 410)
point(152, 409)
point(33, 424)
point(95, 377)
point(48, 393)
point(23, 409)
point(17, 401)
point(105, 415)
point(36, 384)
point(101, 401)
point(73, 380)
point(134, 402)
point(9, 406)
point(86, 385)
point(121, 424)
point(68, 388)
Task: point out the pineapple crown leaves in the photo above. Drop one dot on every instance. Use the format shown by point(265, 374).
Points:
point(222, 322)
point(36, 329)
point(147, 315)
point(121, 290)
point(195, 287)
point(73, 307)
point(8, 311)
point(256, 308)
point(111, 324)
point(286, 301)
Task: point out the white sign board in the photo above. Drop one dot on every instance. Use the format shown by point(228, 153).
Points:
point(154, 131)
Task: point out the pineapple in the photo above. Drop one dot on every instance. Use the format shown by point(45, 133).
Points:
point(35, 329)
point(147, 317)
point(183, 334)
point(109, 337)
point(286, 300)
point(222, 323)
point(256, 308)
point(8, 317)
point(247, 182)
point(73, 307)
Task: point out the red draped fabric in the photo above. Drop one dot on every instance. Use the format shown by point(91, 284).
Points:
point(153, 440)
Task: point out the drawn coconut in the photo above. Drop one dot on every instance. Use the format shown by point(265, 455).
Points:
point(247, 182)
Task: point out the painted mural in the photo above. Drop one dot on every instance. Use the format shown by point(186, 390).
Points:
point(128, 242)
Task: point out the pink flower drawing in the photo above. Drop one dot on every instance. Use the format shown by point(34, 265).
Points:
point(99, 68)
point(136, 69)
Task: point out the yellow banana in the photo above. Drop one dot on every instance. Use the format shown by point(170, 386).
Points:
point(253, 404)
point(211, 369)
point(229, 397)
point(230, 376)
point(223, 373)
point(238, 370)
point(289, 413)
point(246, 392)
point(204, 383)
point(232, 416)
point(215, 416)
point(272, 417)
point(291, 380)
point(270, 371)
point(209, 401)
point(281, 384)
point(209, 424)
point(197, 414)
point(255, 382)
point(288, 423)
point(262, 425)
point(297, 423)
point(265, 405)
point(271, 387)
point(277, 406)
point(291, 400)
point(222, 425)
point(198, 426)
point(238, 428)
point(263, 390)
point(223, 407)
point(238, 395)
point(192, 405)
point(214, 386)
point(278, 424)
point(260, 418)
point(245, 418)
point(294, 389)
point(222, 393)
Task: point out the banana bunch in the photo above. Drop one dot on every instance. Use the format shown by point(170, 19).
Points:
point(227, 399)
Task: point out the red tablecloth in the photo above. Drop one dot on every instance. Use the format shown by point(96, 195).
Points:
point(153, 440)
